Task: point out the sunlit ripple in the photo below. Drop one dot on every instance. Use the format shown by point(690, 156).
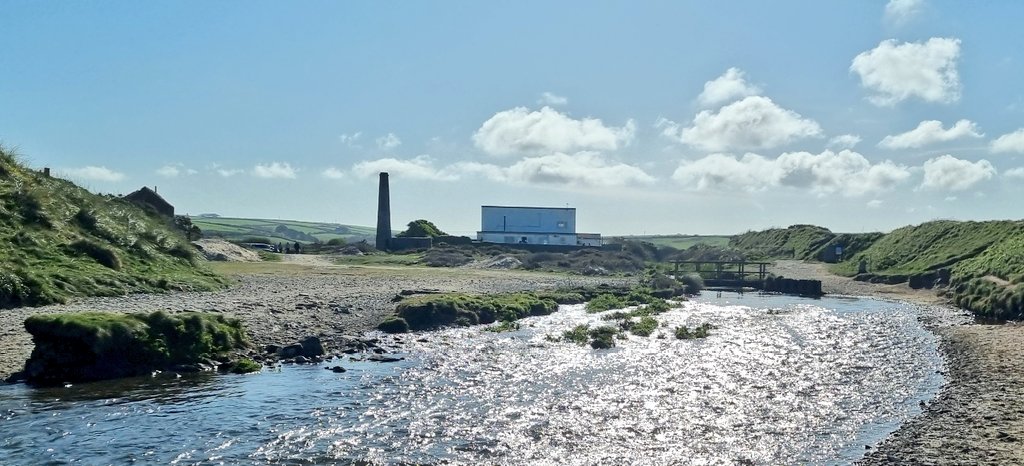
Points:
point(808, 382)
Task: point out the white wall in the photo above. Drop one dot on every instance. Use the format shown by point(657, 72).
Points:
point(531, 238)
point(560, 221)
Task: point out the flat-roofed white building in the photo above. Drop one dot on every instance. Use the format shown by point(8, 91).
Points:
point(531, 225)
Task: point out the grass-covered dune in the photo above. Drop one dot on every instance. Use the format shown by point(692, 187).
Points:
point(983, 263)
point(805, 242)
point(460, 309)
point(94, 346)
point(62, 241)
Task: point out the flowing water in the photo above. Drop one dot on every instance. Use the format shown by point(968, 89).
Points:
point(781, 380)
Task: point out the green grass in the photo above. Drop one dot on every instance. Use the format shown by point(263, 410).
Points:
point(96, 345)
point(65, 242)
point(461, 309)
point(701, 331)
point(406, 259)
point(239, 228)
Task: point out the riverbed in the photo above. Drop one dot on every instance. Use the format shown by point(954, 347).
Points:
point(779, 380)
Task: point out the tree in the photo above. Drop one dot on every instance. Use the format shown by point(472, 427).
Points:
point(420, 228)
point(184, 223)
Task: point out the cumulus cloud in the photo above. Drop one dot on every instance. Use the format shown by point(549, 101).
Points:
point(548, 98)
point(545, 131)
point(898, 12)
point(952, 174)
point(726, 88)
point(173, 170)
point(94, 173)
point(388, 142)
point(274, 170)
point(168, 171)
point(583, 169)
point(844, 141)
point(350, 139)
point(875, 203)
point(229, 172)
point(752, 123)
point(896, 72)
point(930, 132)
point(417, 168)
point(333, 173)
point(1010, 142)
point(846, 172)
point(1015, 173)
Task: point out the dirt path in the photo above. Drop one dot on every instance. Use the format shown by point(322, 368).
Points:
point(978, 417)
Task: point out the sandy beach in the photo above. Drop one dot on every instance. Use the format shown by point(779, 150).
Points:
point(977, 418)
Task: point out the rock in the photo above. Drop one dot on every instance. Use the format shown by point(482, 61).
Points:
point(379, 358)
point(336, 369)
point(290, 351)
point(271, 349)
point(312, 347)
point(301, 360)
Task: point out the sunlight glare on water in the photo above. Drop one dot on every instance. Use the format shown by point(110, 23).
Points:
point(781, 380)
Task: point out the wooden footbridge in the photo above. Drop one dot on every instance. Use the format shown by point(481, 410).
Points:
point(732, 271)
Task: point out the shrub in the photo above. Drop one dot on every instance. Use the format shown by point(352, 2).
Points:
point(336, 242)
point(504, 326)
point(603, 337)
point(692, 283)
point(579, 334)
point(700, 331)
point(183, 251)
point(605, 302)
point(431, 311)
point(244, 366)
point(644, 327)
point(394, 325)
point(102, 254)
point(85, 219)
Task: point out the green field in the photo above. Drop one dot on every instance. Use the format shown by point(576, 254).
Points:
point(682, 241)
point(281, 231)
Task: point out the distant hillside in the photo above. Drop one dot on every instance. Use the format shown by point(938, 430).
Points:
point(807, 242)
point(680, 241)
point(280, 231)
point(61, 241)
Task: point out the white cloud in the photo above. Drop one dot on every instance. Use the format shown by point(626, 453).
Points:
point(388, 142)
point(752, 123)
point(351, 139)
point(844, 141)
point(520, 131)
point(896, 72)
point(229, 172)
point(583, 169)
point(274, 170)
point(1010, 142)
point(168, 171)
point(875, 203)
point(173, 170)
point(930, 132)
point(418, 168)
point(333, 173)
point(845, 172)
point(726, 88)
point(94, 173)
point(952, 174)
point(1014, 173)
point(898, 12)
point(548, 98)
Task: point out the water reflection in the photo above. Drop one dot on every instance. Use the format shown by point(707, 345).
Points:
point(782, 380)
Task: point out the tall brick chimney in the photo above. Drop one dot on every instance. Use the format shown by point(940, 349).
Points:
point(383, 213)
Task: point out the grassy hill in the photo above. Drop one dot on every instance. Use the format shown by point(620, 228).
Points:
point(281, 231)
point(61, 241)
point(682, 241)
point(806, 242)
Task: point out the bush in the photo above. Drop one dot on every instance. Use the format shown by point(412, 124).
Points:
point(86, 219)
point(504, 326)
point(104, 255)
point(603, 337)
point(644, 327)
point(244, 366)
point(393, 325)
point(605, 302)
point(439, 310)
point(336, 242)
point(692, 283)
point(700, 331)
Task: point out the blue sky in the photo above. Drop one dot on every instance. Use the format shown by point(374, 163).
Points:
point(648, 117)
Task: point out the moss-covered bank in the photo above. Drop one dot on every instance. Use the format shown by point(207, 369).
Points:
point(94, 345)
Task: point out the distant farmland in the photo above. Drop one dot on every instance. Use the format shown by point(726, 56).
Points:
point(280, 231)
point(683, 241)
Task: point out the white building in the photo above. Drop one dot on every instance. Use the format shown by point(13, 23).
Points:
point(532, 225)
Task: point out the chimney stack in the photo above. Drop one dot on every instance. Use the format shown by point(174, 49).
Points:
point(383, 214)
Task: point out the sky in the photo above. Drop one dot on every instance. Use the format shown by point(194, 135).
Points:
point(648, 117)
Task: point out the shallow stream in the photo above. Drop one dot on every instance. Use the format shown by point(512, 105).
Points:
point(781, 380)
